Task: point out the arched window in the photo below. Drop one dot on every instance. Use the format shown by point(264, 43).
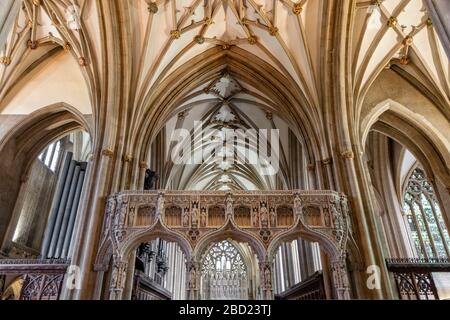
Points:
point(51, 156)
point(428, 229)
point(224, 274)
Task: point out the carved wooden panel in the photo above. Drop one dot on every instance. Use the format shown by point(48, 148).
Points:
point(42, 286)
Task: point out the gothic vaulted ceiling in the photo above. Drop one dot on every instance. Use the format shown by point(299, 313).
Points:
point(162, 36)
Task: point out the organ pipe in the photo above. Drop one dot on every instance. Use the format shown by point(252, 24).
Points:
point(65, 207)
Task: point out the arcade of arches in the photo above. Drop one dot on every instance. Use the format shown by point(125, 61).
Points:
point(118, 179)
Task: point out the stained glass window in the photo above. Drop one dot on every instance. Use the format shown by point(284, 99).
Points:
point(424, 216)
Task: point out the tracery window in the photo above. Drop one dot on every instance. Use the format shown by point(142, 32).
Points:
point(428, 229)
point(224, 274)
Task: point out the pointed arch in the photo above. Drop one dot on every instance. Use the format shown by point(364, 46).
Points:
point(22, 145)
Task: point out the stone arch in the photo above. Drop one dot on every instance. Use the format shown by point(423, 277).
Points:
point(154, 233)
point(420, 136)
point(233, 233)
point(22, 145)
point(299, 231)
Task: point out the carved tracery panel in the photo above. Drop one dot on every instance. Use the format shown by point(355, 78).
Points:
point(224, 273)
point(423, 213)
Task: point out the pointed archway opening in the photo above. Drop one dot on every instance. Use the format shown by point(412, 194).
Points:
point(229, 271)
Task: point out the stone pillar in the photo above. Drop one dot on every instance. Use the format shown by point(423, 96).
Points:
point(128, 290)
point(265, 270)
point(127, 161)
point(118, 280)
point(192, 280)
point(328, 168)
point(326, 275)
point(143, 166)
point(369, 240)
point(312, 176)
point(340, 279)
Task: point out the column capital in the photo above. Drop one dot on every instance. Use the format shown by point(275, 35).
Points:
point(143, 165)
point(127, 158)
point(348, 154)
point(107, 153)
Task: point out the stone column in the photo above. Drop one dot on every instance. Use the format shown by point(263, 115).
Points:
point(328, 168)
point(265, 270)
point(340, 279)
point(127, 162)
point(143, 166)
point(118, 280)
point(312, 176)
point(128, 290)
point(326, 275)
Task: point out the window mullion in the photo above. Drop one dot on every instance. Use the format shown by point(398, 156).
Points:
point(425, 220)
point(438, 223)
point(419, 231)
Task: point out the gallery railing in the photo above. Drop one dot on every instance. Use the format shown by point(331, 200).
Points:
point(414, 277)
